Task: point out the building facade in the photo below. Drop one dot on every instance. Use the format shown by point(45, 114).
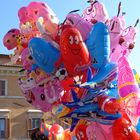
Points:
point(16, 114)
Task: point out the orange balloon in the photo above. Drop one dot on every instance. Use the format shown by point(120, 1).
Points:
point(67, 134)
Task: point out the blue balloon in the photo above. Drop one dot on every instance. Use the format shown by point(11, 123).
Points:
point(44, 54)
point(98, 44)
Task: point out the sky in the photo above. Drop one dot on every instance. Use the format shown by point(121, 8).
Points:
point(9, 17)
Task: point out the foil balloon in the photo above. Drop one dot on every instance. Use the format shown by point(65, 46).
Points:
point(26, 83)
point(123, 129)
point(95, 12)
point(109, 104)
point(98, 131)
point(75, 20)
point(128, 89)
point(53, 91)
point(127, 39)
point(116, 26)
point(56, 132)
point(61, 28)
point(98, 42)
point(34, 94)
point(13, 39)
point(23, 14)
point(26, 59)
point(74, 53)
point(31, 14)
point(44, 54)
point(37, 98)
point(34, 9)
point(10, 39)
point(80, 132)
point(40, 9)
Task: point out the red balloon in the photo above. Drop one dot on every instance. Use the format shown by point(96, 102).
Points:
point(80, 132)
point(123, 129)
point(109, 104)
point(60, 30)
point(57, 129)
point(74, 53)
point(55, 132)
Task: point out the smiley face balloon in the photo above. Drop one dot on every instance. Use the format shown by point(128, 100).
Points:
point(75, 55)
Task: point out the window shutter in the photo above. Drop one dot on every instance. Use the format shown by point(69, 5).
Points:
point(2, 87)
point(7, 128)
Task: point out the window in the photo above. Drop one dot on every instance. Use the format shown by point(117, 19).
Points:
point(4, 123)
point(2, 127)
point(36, 122)
point(2, 87)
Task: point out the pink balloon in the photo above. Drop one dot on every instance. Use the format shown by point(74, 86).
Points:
point(127, 39)
point(40, 101)
point(23, 14)
point(26, 83)
point(10, 38)
point(25, 59)
point(53, 91)
point(96, 12)
point(29, 17)
point(99, 132)
point(39, 96)
point(128, 89)
point(34, 9)
point(116, 26)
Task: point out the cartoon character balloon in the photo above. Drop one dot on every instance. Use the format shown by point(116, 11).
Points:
point(127, 39)
point(10, 38)
point(123, 129)
point(26, 59)
point(95, 12)
point(116, 26)
point(74, 53)
point(44, 54)
point(75, 20)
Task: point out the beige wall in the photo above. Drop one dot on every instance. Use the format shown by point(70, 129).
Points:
point(15, 102)
point(18, 116)
point(12, 85)
point(18, 123)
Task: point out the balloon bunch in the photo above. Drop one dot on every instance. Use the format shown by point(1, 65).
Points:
point(81, 67)
point(36, 20)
